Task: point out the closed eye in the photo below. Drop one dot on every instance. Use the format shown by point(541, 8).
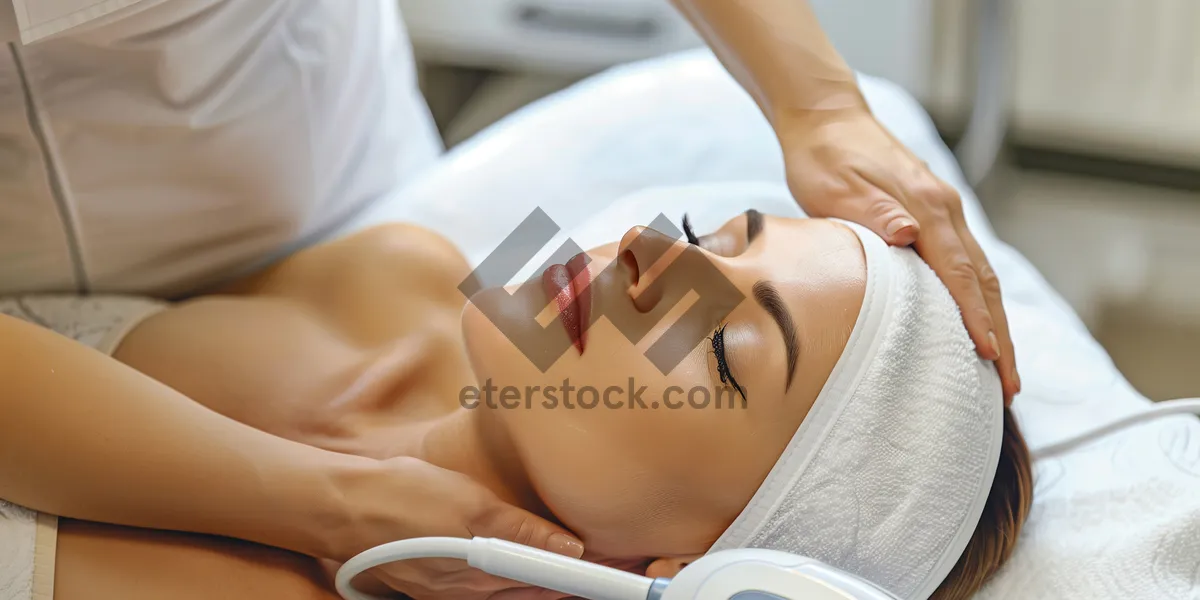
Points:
point(718, 345)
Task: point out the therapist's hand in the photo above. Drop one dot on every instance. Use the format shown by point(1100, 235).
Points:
point(843, 163)
point(408, 498)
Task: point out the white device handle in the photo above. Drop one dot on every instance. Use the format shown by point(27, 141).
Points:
point(556, 572)
point(502, 559)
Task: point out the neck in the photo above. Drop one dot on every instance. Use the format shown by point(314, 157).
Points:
point(476, 444)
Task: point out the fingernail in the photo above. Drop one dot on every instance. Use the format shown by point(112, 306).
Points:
point(1016, 378)
point(898, 225)
point(565, 545)
point(995, 344)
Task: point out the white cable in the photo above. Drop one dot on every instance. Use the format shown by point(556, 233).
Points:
point(503, 559)
point(1161, 409)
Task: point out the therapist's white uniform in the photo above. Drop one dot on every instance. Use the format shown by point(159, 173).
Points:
point(158, 146)
point(155, 147)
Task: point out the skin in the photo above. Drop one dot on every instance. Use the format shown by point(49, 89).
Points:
point(364, 345)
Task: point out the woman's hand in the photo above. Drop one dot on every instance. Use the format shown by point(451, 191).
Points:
point(405, 498)
point(843, 163)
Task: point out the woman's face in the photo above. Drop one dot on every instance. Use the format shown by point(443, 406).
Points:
point(649, 433)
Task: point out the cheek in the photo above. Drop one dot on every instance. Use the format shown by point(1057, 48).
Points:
point(491, 353)
point(631, 483)
point(636, 515)
point(597, 469)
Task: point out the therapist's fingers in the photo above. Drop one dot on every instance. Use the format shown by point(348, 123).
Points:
point(498, 519)
point(876, 207)
point(942, 247)
point(942, 240)
point(1006, 363)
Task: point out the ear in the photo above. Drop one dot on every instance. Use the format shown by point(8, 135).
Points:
point(670, 567)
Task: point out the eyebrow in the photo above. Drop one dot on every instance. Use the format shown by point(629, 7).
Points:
point(767, 296)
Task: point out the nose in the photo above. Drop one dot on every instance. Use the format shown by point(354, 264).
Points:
point(652, 260)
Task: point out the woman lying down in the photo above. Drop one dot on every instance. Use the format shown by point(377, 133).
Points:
point(792, 384)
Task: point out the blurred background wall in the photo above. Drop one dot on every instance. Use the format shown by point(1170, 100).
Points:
point(1098, 182)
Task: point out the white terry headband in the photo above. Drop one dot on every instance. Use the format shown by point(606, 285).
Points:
point(888, 475)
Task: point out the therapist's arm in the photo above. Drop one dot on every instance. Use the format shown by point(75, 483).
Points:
point(84, 436)
point(778, 52)
point(841, 162)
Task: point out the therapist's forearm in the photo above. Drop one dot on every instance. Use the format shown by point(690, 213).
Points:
point(778, 52)
point(86, 437)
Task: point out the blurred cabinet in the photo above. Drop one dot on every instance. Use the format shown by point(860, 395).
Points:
point(1114, 77)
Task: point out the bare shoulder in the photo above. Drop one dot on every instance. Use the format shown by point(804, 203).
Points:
point(374, 286)
point(404, 242)
point(418, 260)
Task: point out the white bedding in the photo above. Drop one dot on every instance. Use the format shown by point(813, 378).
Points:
point(1117, 520)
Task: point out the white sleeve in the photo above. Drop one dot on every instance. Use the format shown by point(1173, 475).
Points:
point(32, 21)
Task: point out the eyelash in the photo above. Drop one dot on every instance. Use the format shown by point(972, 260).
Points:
point(687, 230)
point(718, 337)
point(718, 344)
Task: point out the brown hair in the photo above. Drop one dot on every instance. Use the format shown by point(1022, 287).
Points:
point(995, 536)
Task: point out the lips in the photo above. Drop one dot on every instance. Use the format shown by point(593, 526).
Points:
point(569, 286)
